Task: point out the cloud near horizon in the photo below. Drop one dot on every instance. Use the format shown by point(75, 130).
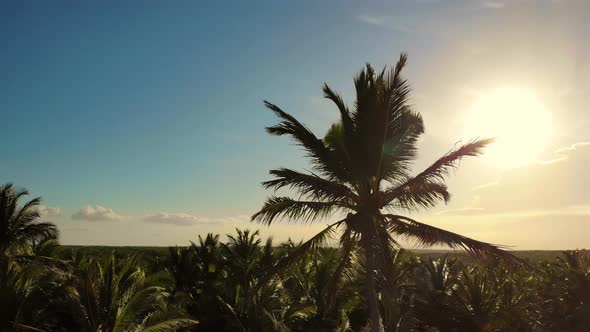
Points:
point(101, 213)
point(182, 219)
point(185, 219)
point(96, 213)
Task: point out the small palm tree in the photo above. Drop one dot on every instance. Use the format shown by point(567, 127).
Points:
point(19, 224)
point(35, 298)
point(361, 170)
point(119, 298)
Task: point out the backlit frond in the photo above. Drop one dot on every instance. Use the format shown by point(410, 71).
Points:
point(424, 234)
point(285, 207)
point(309, 185)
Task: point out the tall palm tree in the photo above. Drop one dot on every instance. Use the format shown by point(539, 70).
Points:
point(361, 170)
point(19, 224)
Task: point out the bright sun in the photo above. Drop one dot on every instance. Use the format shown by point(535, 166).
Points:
point(517, 119)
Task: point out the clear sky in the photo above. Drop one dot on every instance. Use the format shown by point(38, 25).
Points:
point(141, 122)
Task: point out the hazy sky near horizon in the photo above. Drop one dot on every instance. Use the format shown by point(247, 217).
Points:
point(141, 122)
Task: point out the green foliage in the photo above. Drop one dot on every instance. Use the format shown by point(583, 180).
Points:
point(19, 223)
point(215, 286)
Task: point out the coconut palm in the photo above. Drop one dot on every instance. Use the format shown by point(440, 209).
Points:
point(19, 224)
point(119, 297)
point(565, 289)
point(35, 298)
point(361, 171)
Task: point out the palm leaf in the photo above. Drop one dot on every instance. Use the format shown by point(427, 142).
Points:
point(437, 171)
point(424, 234)
point(285, 207)
point(424, 194)
point(321, 156)
point(139, 305)
point(309, 185)
point(171, 325)
point(302, 250)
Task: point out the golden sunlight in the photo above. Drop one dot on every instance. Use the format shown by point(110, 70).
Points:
point(517, 119)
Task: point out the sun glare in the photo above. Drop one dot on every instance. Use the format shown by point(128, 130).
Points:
point(517, 119)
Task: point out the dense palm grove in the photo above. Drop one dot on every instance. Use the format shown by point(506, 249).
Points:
point(360, 176)
point(215, 286)
point(206, 287)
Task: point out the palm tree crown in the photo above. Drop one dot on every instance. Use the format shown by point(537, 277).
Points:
point(19, 224)
point(361, 170)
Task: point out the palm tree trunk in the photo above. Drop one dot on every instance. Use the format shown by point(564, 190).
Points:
point(372, 299)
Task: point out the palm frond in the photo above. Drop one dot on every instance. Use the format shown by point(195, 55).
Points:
point(171, 325)
point(439, 169)
point(309, 185)
point(433, 176)
point(348, 244)
point(345, 118)
point(37, 231)
point(232, 314)
point(322, 158)
point(285, 207)
point(140, 304)
point(417, 194)
point(424, 234)
point(301, 250)
point(399, 144)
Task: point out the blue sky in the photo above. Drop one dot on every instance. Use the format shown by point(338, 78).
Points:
point(154, 109)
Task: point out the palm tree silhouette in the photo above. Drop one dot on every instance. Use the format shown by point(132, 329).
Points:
point(361, 169)
point(19, 224)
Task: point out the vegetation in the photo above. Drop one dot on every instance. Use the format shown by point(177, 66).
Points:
point(232, 286)
point(361, 174)
point(204, 287)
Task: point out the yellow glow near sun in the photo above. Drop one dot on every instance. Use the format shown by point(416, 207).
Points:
point(518, 120)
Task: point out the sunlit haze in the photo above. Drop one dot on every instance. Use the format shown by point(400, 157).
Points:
point(518, 121)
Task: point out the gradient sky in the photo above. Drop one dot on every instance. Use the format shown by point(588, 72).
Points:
point(141, 122)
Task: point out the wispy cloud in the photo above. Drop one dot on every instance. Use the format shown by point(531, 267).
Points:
point(577, 210)
point(467, 211)
point(398, 23)
point(374, 20)
point(76, 229)
point(494, 4)
point(96, 213)
point(486, 185)
point(563, 153)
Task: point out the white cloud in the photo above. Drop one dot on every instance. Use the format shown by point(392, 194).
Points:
point(185, 219)
point(48, 211)
point(235, 219)
point(494, 4)
point(174, 218)
point(96, 213)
